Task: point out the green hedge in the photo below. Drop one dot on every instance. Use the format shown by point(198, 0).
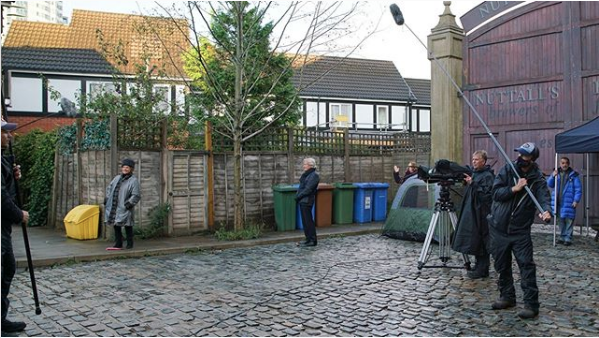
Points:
point(34, 152)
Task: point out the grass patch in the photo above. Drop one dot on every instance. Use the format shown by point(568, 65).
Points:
point(252, 231)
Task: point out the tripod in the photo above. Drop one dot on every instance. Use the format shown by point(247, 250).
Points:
point(443, 216)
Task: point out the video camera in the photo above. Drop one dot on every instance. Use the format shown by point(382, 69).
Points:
point(443, 171)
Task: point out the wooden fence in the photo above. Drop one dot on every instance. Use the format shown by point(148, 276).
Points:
point(180, 177)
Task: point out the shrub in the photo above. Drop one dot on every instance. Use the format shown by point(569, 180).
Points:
point(34, 152)
point(157, 227)
point(250, 232)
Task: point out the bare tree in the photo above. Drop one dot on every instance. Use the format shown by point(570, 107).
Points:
point(249, 99)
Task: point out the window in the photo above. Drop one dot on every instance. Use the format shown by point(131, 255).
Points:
point(421, 120)
point(95, 88)
point(382, 117)
point(399, 120)
point(414, 120)
point(316, 114)
point(26, 94)
point(180, 97)
point(68, 92)
point(163, 99)
point(364, 116)
point(341, 115)
point(425, 120)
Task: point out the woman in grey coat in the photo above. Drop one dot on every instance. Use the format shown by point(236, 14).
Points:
point(122, 194)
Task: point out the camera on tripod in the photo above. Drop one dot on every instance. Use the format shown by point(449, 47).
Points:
point(444, 221)
point(444, 172)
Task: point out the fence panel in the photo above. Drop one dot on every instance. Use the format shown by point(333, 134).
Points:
point(187, 193)
point(266, 162)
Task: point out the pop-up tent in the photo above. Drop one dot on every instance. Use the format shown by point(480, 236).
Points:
point(413, 208)
point(583, 139)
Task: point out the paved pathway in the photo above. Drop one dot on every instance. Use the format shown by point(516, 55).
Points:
point(347, 286)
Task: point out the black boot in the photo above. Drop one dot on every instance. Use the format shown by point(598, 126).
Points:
point(118, 237)
point(10, 327)
point(528, 312)
point(501, 304)
point(129, 231)
point(482, 267)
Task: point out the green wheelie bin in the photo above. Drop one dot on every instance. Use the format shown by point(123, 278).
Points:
point(284, 203)
point(343, 203)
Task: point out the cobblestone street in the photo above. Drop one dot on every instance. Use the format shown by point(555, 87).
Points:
point(347, 286)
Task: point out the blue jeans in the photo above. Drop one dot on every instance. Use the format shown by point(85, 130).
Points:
point(566, 228)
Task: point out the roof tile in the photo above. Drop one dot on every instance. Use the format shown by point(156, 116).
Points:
point(85, 26)
point(351, 78)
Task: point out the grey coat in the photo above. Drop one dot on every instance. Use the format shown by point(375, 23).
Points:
point(128, 196)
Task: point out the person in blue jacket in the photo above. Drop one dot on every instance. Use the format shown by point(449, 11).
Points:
point(306, 194)
point(569, 192)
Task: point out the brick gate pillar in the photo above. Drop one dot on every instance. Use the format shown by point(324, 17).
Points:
point(445, 43)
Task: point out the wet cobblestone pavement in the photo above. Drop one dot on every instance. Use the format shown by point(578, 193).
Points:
point(347, 286)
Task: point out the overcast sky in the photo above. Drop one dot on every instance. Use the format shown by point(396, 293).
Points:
point(392, 42)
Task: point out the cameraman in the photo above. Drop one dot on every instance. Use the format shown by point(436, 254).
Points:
point(472, 233)
point(510, 221)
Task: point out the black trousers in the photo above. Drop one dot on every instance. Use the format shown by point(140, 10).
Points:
point(9, 267)
point(118, 235)
point(502, 247)
point(308, 221)
point(483, 262)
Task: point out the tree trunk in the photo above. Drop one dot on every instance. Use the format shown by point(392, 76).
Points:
point(237, 181)
point(237, 137)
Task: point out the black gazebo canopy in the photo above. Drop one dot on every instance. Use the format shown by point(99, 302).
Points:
point(582, 139)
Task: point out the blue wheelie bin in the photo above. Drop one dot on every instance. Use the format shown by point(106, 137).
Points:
point(363, 202)
point(379, 212)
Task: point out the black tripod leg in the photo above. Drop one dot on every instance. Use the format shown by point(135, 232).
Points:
point(38, 310)
point(427, 241)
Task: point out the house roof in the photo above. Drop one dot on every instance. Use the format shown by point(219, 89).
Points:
point(350, 78)
point(421, 89)
point(107, 32)
point(71, 60)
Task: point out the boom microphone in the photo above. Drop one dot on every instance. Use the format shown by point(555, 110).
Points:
point(396, 12)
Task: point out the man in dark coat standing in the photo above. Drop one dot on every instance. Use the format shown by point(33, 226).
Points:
point(472, 233)
point(11, 214)
point(306, 194)
point(512, 214)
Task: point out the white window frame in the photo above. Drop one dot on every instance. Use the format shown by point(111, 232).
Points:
point(337, 109)
point(364, 118)
point(26, 94)
point(382, 124)
point(105, 86)
point(59, 85)
point(163, 106)
point(424, 120)
point(399, 117)
point(180, 99)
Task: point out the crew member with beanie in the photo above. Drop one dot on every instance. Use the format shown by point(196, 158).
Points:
point(512, 214)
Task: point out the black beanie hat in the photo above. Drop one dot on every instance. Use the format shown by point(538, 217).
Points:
point(128, 162)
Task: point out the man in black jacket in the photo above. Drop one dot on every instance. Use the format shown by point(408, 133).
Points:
point(510, 221)
point(472, 233)
point(11, 214)
point(306, 194)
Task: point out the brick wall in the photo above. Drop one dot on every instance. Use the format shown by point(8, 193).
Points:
point(28, 123)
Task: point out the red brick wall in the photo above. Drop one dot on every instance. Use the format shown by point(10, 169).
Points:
point(28, 123)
